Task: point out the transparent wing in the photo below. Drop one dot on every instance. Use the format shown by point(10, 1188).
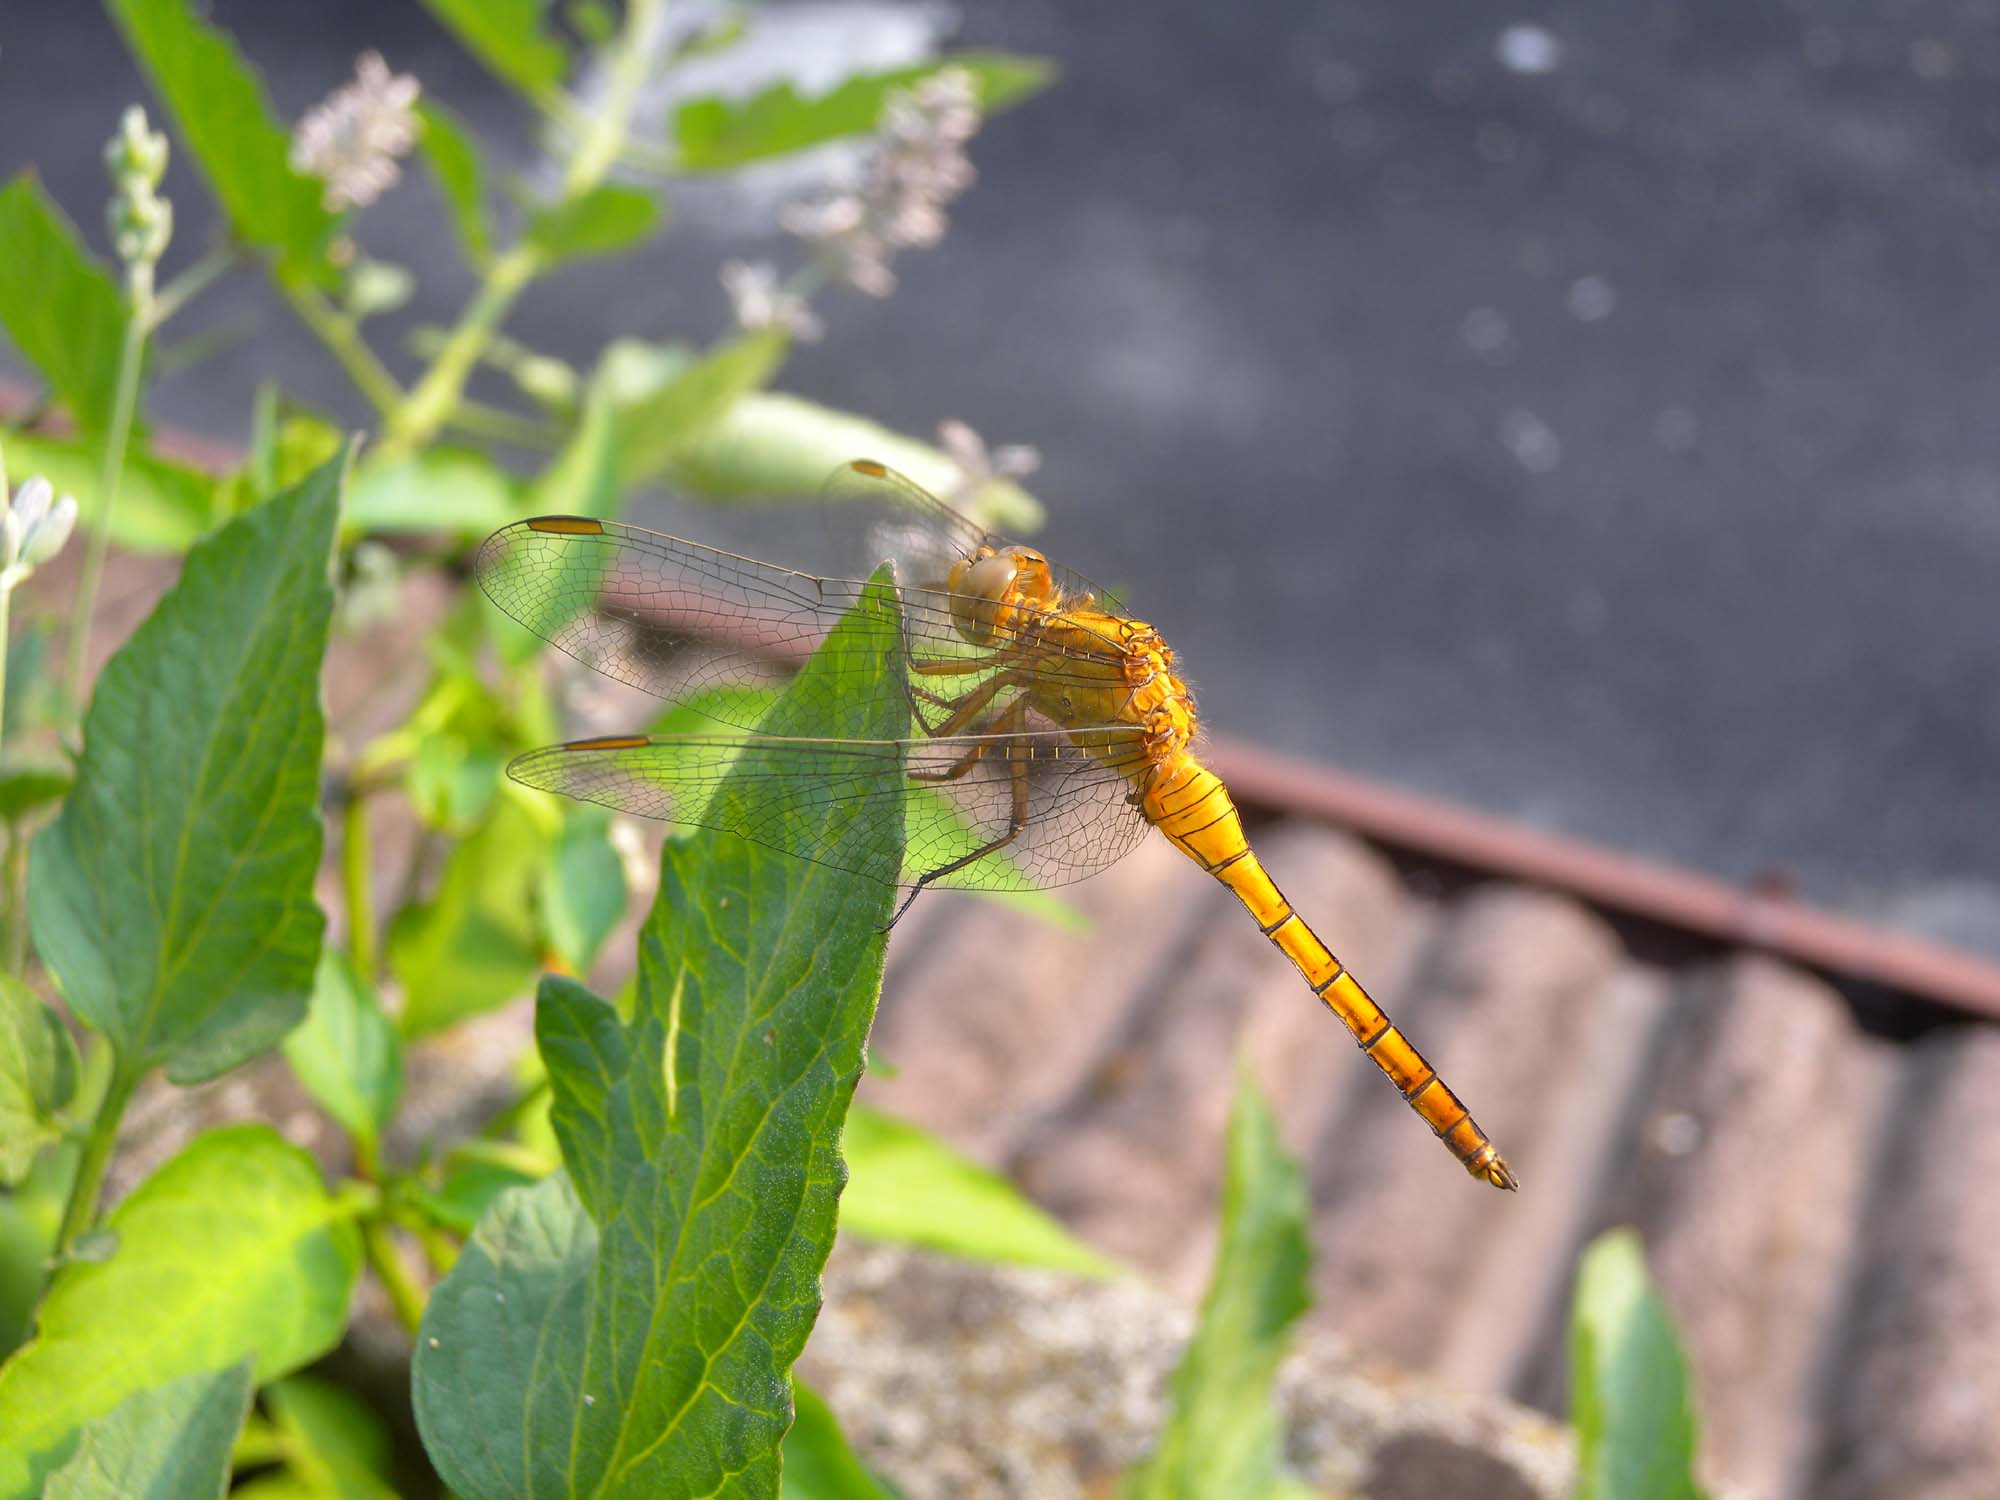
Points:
point(1043, 810)
point(678, 619)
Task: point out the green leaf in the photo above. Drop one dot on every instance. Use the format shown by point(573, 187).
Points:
point(583, 887)
point(771, 445)
point(218, 101)
point(38, 1071)
point(509, 37)
point(28, 784)
point(455, 490)
point(163, 506)
point(348, 1054)
point(656, 428)
point(63, 310)
point(906, 1185)
point(173, 898)
point(1222, 1437)
point(1630, 1401)
point(455, 162)
point(170, 1443)
point(634, 1318)
point(476, 944)
point(818, 1463)
point(609, 218)
point(712, 135)
point(233, 1247)
point(336, 1445)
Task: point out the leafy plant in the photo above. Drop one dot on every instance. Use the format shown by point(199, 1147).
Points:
point(1223, 1436)
point(1629, 1393)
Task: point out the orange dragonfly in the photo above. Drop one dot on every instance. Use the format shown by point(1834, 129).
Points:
point(1048, 729)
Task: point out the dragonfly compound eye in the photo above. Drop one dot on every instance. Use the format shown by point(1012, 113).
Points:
point(978, 590)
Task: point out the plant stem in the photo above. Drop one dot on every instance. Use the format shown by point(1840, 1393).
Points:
point(405, 1296)
point(17, 898)
point(355, 862)
point(81, 1209)
point(435, 397)
point(503, 426)
point(343, 341)
point(190, 284)
point(131, 354)
point(6, 600)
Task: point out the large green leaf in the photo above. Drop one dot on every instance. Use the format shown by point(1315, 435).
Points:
point(818, 1463)
point(908, 1186)
point(510, 37)
point(461, 176)
point(630, 1323)
point(1222, 1437)
point(173, 898)
point(348, 1053)
point(1629, 1395)
point(655, 428)
point(60, 307)
point(234, 1247)
point(768, 444)
point(169, 1443)
point(228, 124)
point(38, 1071)
point(715, 134)
point(163, 506)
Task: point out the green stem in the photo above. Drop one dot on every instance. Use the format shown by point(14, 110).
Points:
point(17, 899)
point(81, 1209)
point(503, 426)
point(6, 601)
point(343, 341)
point(355, 867)
point(131, 355)
point(191, 283)
point(405, 1296)
point(436, 396)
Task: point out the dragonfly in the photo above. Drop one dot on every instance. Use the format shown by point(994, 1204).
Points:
point(1048, 730)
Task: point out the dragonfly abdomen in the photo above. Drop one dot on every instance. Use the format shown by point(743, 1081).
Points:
point(1190, 805)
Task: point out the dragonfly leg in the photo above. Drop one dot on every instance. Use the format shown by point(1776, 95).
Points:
point(1007, 720)
point(968, 707)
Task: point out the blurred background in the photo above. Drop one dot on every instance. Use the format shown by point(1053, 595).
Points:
point(1586, 414)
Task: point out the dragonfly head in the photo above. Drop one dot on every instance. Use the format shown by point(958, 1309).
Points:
point(989, 586)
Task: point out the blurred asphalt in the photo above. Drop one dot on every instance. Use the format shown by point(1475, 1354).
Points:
point(1594, 422)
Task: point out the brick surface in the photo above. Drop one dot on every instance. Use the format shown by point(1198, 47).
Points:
point(1401, 1230)
point(1915, 1413)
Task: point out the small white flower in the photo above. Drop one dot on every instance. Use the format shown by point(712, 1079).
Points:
point(977, 466)
point(918, 169)
point(141, 221)
point(351, 141)
point(760, 301)
point(33, 528)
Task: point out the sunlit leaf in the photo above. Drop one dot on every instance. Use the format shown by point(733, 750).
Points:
point(772, 445)
point(173, 898)
point(609, 218)
point(634, 1318)
point(456, 490)
point(716, 134)
point(225, 119)
point(61, 308)
point(347, 1052)
point(1222, 1437)
point(169, 1443)
point(658, 427)
point(906, 1185)
point(1629, 1395)
point(510, 36)
point(461, 177)
point(234, 1247)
